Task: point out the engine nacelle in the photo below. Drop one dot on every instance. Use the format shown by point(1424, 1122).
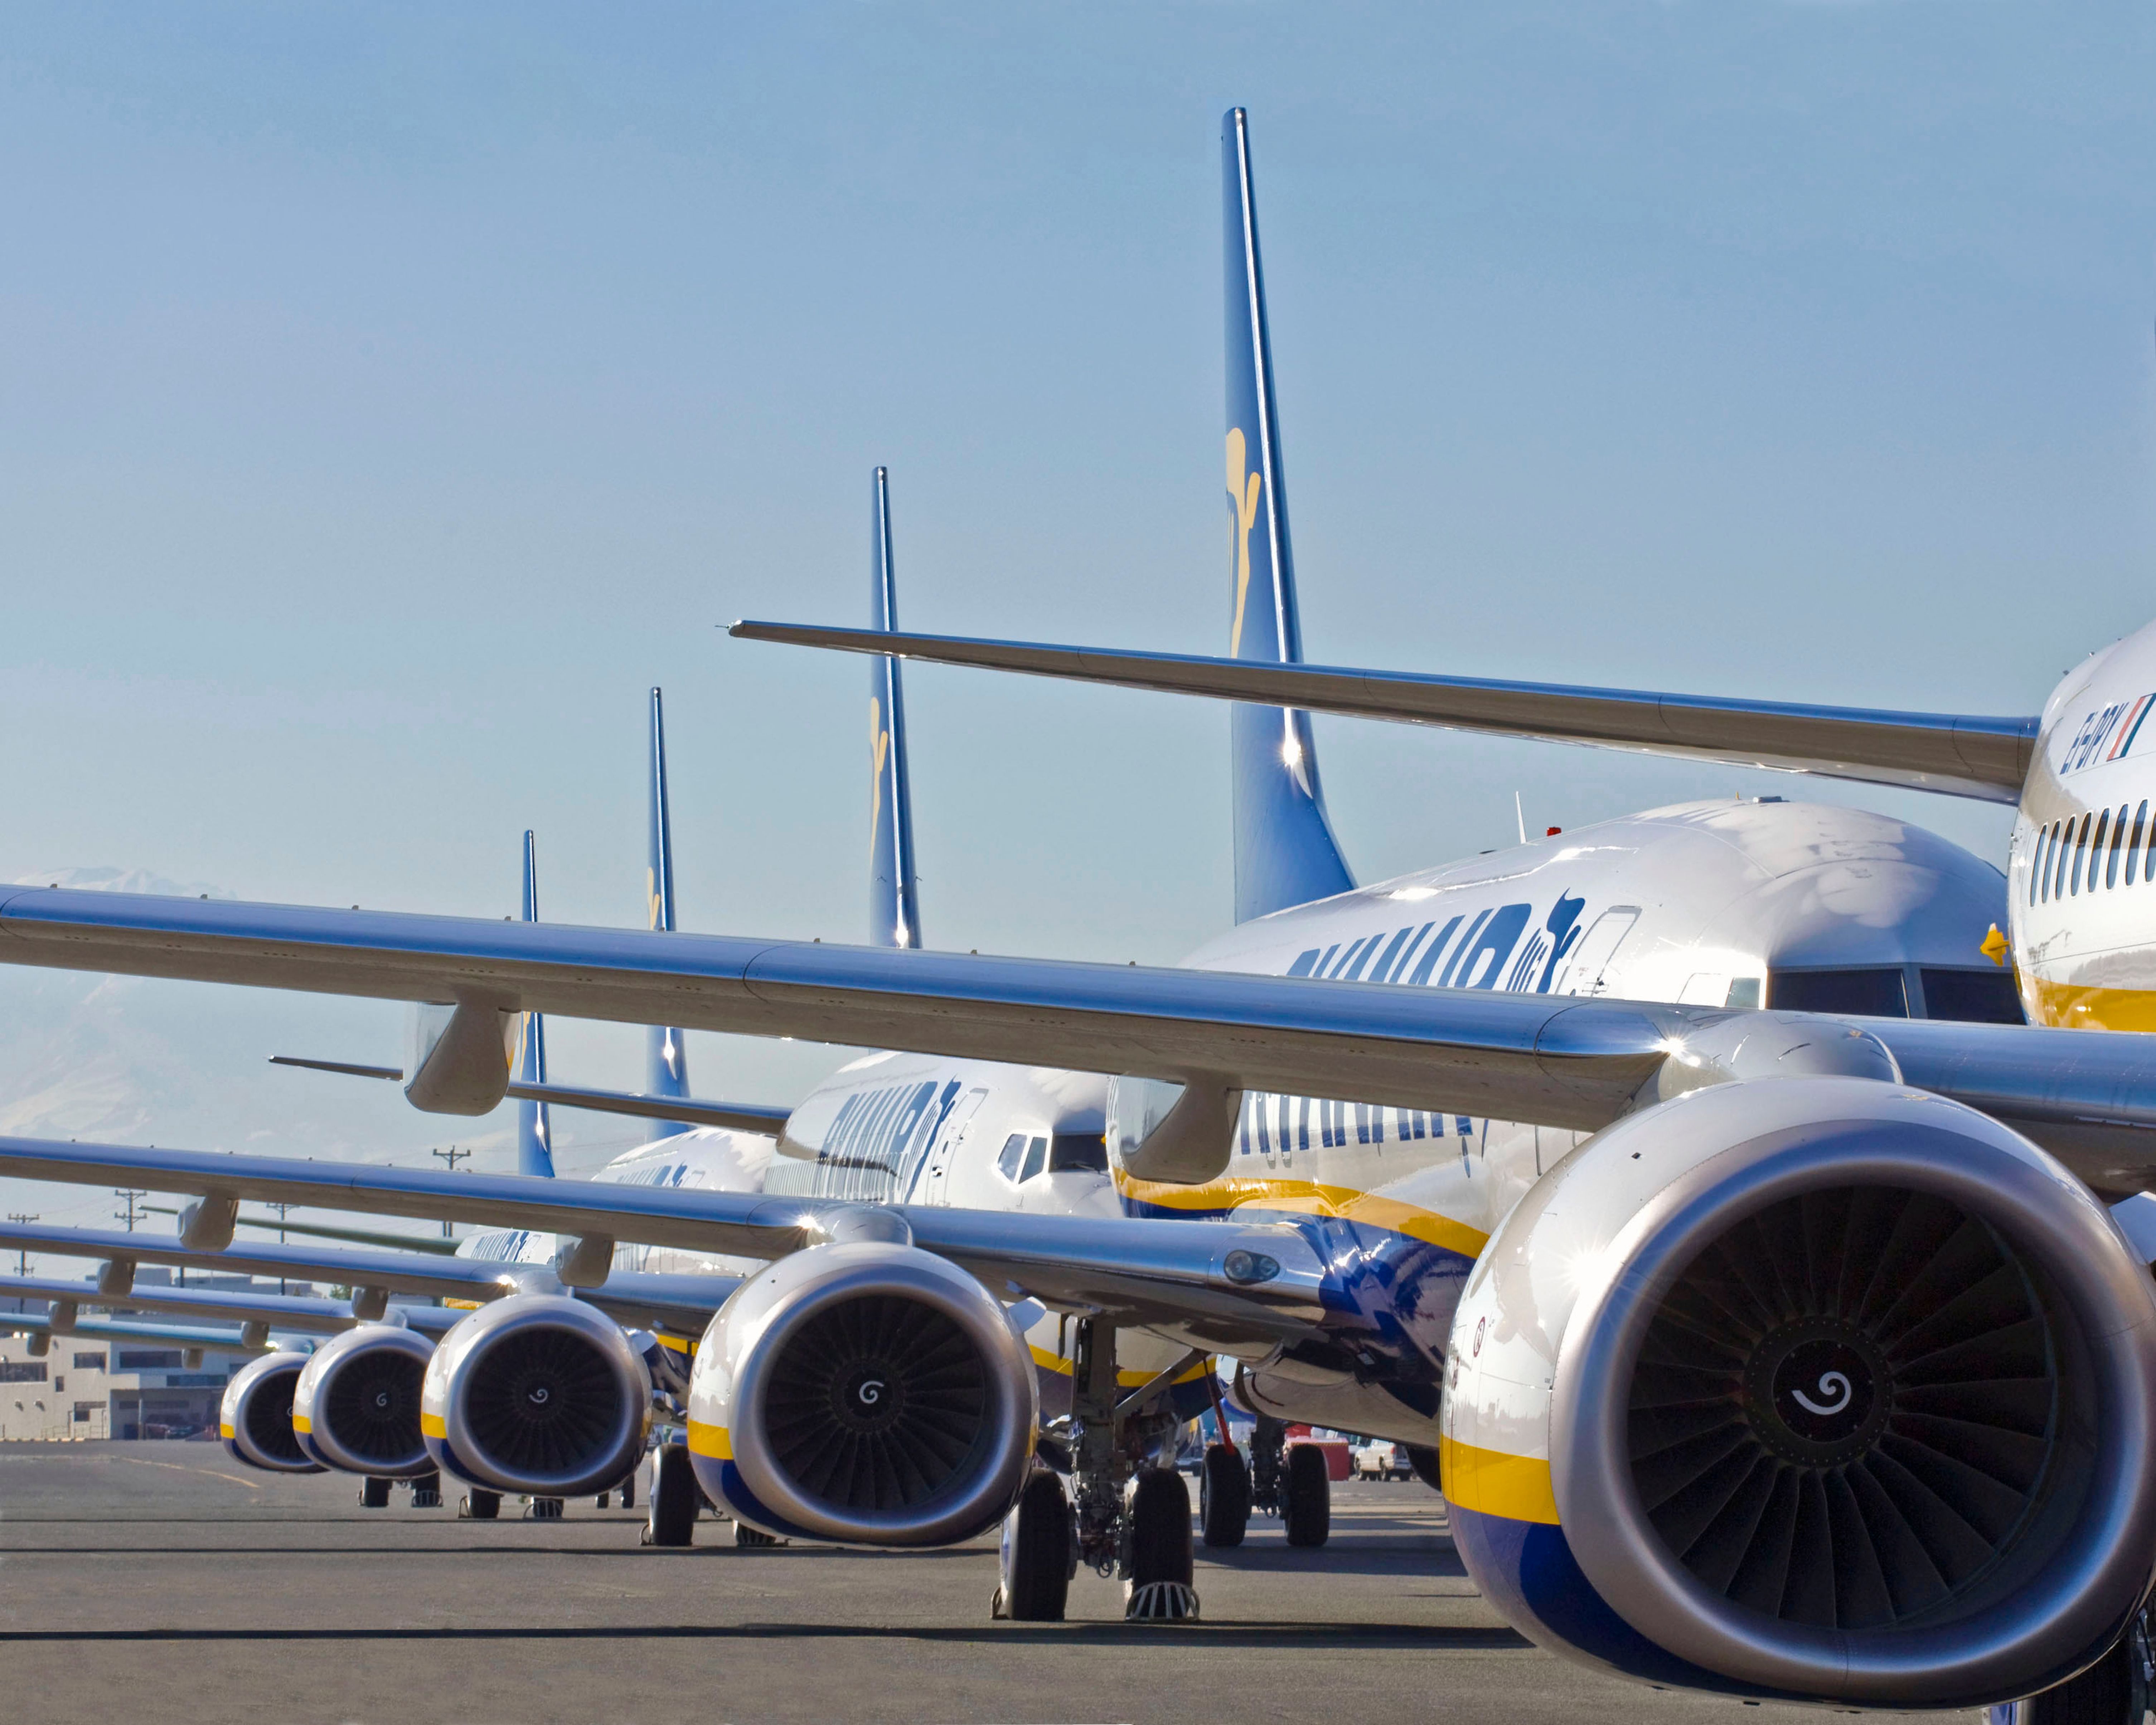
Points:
point(356, 1406)
point(537, 1394)
point(868, 1393)
point(255, 1417)
point(1820, 1388)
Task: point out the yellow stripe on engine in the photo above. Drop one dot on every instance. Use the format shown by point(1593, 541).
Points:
point(1308, 1198)
point(1492, 1483)
point(462, 1305)
point(224, 1431)
point(715, 1443)
point(299, 1423)
point(433, 1425)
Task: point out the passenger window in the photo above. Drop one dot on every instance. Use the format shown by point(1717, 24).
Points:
point(1012, 1154)
point(2133, 842)
point(1036, 1153)
point(1877, 994)
point(2096, 849)
point(2118, 844)
point(2081, 853)
point(1972, 997)
point(2054, 878)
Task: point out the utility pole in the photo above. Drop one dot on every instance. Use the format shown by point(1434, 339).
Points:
point(21, 1256)
point(283, 1211)
point(128, 1216)
point(451, 1156)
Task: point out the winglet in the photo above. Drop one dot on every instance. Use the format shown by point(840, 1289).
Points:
point(535, 1131)
point(894, 893)
point(666, 1068)
point(1285, 851)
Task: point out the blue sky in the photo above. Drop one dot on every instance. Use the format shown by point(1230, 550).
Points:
point(391, 394)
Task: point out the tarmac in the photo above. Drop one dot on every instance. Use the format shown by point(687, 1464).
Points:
point(165, 1581)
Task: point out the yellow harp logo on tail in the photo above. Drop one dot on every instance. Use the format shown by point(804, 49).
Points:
point(878, 751)
point(1243, 489)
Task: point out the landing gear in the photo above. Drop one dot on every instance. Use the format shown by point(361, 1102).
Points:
point(2117, 1690)
point(1306, 1495)
point(629, 1492)
point(1161, 1565)
point(1039, 1553)
point(426, 1491)
point(746, 1535)
point(479, 1505)
point(373, 1493)
point(1143, 1533)
point(1223, 1495)
point(544, 1509)
point(1423, 1462)
point(1268, 1442)
point(673, 1497)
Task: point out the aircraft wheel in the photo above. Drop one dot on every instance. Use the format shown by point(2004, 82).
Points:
point(479, 1506)
point(426, 1491)
point(1039, 1553)
point(603, 1500)
point(1306, 1496)
point(1422, 1464)
point(546, 1509)
point(629, 1492)
point(1163, 1566)
point(373, 1493)
point(746, 1535)
point(1223, 1495)
point(672, 1518)
point(2115, 1690)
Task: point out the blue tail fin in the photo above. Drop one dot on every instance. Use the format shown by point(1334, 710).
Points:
point(534, 1132)
point(1285, 851)
point(894, 894)
point(666, 1071)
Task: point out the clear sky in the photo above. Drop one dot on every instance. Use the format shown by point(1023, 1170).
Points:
point(393, 393)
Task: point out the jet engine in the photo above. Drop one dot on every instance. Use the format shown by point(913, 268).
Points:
point(537, 1394)
point(356, 1406)
point(866, 1393)
point(255, 1417)
point(1815, 1387)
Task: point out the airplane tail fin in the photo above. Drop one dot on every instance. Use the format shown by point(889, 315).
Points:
point(535, 1131)
point(666, 1072)
point(894, 893)
point(1285, 853)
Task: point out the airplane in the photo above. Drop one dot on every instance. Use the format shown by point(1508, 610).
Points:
point(1879, 1246)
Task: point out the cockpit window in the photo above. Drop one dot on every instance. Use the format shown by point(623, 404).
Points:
point(1036, 1153)
point(1014, 1153)
point(1974, 997)
point(1078, 1151)
point(1876, 993)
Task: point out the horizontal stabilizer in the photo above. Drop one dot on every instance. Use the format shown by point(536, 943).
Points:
point(1963, 755)
point(733, 1117)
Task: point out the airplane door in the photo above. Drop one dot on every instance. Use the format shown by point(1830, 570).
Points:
point(931, 1184)
point(1587, 973)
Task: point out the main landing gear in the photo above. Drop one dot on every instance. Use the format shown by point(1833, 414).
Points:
point(673, 1497)
point(2119, 1689)
point(1290, 1480)
point(1132, 1514)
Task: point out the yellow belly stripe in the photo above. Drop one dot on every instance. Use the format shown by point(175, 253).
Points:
point(2070, 1006)
point(1308, 1198)
point(715, 1443)
point(1492, 1483)
point(1062, 1365)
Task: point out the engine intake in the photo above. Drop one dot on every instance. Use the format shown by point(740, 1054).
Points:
point(537, 1394)
point(356, 1405)
point(868, 1393)
point(1853, 1398)
point(256, 1419)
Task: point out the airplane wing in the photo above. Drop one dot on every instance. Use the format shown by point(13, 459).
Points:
point(1963, 755)
point(91, 1329)
point(735, 1117)
point(682, 1303)
point(283, 1311)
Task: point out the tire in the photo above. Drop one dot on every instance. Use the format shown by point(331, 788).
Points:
point(1038, 1553)
point(373, 1493)
point(2102, 1695)
point(1423, 1463)
point(629, 1492)
point(479, 1507)
point(1224, 1496)
point(1160, 1530)
point(672, 1518)
point(426, 1491)
point(1306, 1496)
